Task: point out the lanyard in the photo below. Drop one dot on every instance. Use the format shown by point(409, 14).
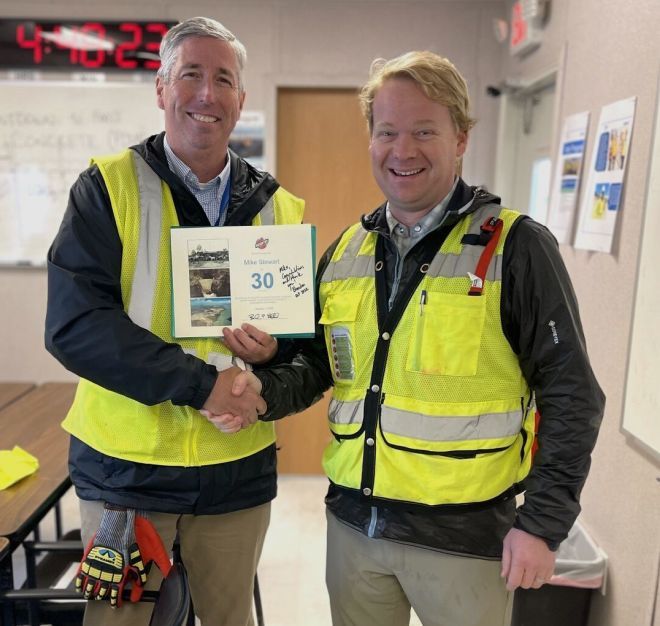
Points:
point(224, 202)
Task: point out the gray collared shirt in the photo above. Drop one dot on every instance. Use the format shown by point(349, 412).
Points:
point(209, 195)
point(405, 237)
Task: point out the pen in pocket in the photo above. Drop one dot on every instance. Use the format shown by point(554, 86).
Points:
point(422, 302)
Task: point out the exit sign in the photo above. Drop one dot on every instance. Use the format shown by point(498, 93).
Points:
point(527, 17)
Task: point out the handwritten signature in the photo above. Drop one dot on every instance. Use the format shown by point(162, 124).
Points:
point(263, 316)
point(290, 278)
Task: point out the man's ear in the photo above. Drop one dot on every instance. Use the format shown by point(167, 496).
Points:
point(160, 85)
point(461, 145)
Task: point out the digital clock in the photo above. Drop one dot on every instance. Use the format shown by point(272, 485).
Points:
point(92, 45)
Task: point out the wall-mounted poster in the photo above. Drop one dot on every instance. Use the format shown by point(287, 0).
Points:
point(247, 138)
point(568, 172)
point(601, 198)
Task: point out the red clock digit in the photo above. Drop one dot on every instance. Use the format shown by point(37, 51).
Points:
point(154, 46)
point(127, 46)
point(93, 30)
point(34, 44)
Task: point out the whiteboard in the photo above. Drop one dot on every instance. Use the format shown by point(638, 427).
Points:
point(641, 411)
point(48, 132)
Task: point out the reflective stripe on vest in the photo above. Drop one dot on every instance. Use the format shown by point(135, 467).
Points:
point(146, 266)
point(267, 214)
point(352, 265)
point(431, 428)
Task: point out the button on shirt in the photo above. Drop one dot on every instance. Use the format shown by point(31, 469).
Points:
point(209, 195)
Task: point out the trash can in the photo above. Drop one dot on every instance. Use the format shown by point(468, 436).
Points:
point(581, 568)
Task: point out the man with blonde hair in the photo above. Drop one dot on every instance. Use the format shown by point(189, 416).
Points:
point(445, 320)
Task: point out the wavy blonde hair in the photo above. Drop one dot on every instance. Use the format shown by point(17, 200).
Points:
point(437, 77)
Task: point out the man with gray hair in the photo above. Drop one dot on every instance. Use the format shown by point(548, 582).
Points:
point(155, 432)
point(445, 320)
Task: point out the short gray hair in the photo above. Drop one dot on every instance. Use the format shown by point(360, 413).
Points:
point(197, 27)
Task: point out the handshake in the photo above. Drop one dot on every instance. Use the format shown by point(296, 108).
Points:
point(235, 401)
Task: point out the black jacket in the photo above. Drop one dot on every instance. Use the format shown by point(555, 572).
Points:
point(535, 290)
point(88, 331)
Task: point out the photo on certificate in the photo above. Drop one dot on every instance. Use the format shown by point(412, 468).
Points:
point(210, 289)
point(224, 277)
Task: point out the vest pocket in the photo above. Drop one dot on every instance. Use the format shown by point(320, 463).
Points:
point(338, 319)
point(447, 336)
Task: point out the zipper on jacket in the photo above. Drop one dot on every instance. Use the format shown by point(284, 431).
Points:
point(396, 279)
point(372, 523)
point(523, 432)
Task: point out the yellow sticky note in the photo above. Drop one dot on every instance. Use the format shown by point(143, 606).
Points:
point(16, 464)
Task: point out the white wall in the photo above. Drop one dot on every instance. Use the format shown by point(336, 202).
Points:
point(612, 52)
point(289, 42)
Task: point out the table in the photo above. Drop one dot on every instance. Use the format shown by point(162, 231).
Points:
point(12, 391)
point(32, 421)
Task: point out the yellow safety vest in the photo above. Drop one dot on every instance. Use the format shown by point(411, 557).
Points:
point(453, 417)
point(163, 434)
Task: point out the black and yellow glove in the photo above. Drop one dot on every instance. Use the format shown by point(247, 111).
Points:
point(112, 558)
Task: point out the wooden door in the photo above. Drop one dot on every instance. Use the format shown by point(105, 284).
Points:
point(322, 156)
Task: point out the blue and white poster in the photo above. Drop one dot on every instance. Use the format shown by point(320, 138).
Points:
point(568, 173)
point(601, 197)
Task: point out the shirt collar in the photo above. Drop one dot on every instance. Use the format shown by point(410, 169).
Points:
point(428, 222)
point(188, 176)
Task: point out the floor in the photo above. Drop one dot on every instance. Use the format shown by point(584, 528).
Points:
point(291, 571)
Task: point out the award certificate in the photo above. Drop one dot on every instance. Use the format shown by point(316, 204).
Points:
point(223, 277)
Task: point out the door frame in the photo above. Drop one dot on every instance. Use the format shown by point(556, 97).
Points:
point(507, 126)
point(504, 151)
point(285, 81)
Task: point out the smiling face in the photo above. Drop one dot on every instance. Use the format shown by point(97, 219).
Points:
point(202, 101)
point(414, 149)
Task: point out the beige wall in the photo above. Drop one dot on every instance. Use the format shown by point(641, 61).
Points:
point(612, 52)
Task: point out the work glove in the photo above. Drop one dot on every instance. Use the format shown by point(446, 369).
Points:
point(151, 550)
point(112, 558)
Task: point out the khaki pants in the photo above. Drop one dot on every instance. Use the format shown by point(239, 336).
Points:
point(374, 582)
point(220, 553)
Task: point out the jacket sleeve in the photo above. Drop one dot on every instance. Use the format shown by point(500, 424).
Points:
point(293, 386)
point(87, 329)
point(541, 320)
